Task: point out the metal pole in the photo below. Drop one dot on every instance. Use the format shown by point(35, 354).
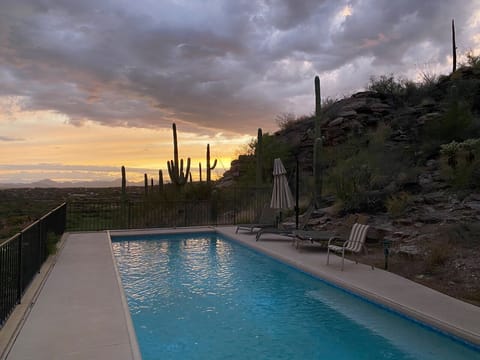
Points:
point(297, 181)
point(20, 272)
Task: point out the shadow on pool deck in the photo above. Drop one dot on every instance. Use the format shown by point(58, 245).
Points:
point(80, 312)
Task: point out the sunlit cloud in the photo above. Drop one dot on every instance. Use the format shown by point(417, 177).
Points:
point(99, 83)
point(7, 138)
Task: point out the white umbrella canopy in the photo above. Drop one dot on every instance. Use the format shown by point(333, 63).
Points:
point(282, 197)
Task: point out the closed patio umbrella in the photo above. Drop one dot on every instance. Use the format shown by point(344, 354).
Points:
point(282, 197)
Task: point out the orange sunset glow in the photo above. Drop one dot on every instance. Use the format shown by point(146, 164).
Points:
point(90, 86)
point(51, 148)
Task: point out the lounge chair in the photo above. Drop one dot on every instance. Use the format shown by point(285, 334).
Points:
point(287, 229)
point(267, 219)
point(315, 236)
point(354, 244)
point(312, 236)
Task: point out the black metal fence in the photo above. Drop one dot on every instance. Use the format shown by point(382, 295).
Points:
point(22, 255)
point(237, 206)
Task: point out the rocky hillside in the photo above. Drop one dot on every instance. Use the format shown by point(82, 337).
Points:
point(428, 204)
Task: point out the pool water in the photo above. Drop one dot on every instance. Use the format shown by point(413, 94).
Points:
point(201, 296)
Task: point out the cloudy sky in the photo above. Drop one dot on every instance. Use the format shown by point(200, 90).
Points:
point(87, 86)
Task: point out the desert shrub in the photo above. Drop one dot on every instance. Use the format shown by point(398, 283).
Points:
point(397, 204)
point(464, 234)
point(470, 60)
point(453, 125)
point(437, 255)
point(460, 164)
point(404, 90)
point(387, 85)
point(286, 120)
point(450, 152)
point(328, 103)
point(359, 170)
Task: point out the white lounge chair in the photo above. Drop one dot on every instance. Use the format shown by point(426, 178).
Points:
point(354, 244)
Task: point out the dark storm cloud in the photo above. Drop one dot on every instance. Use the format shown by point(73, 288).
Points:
point(215, 66)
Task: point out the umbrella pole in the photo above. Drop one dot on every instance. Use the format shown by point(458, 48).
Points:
point(297, 180)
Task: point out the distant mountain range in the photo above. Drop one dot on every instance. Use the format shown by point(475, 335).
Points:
point(48, 183)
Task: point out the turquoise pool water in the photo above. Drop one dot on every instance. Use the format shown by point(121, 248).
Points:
point(201, 296)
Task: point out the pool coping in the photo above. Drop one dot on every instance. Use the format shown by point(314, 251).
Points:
point(86, 334)
point(128, 318)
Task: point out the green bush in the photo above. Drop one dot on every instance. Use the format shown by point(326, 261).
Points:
point(437, 255)
point(460, 164)
point(397, 204)
point(456, 124)
point(387, 85)
point(359, 171)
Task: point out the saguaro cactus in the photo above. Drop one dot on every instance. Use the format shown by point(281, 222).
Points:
point(160, 180)
point(124, 183)
point(146, 183)
point(200, 170)
point(175, 169)
point(259, 158)
point(210, 168)
point(317, 146)
point(454, 47)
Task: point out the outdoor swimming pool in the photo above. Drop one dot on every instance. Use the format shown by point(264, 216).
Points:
point(202, 296)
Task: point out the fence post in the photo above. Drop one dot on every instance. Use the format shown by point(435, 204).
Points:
point(184, 213)
point(129, 210)
point(20, 282)
point(213, 208)
point(41, 243)
point(234, 205)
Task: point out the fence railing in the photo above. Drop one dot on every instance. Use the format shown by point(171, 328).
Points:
point(239, 207)
point(22, 256)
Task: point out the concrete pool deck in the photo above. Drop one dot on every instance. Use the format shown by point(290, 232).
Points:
point(79, 311)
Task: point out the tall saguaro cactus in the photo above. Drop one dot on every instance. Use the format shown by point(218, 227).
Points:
point(175, 168)
point(124, 183)
point(200, 170)
point(145, 179)
point(160, 180)
point(259, 158)
point(454, 47)
point(210, 168)
point(317, 146)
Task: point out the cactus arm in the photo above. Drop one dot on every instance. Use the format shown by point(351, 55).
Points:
point(187, 170)
point(210, 167)
point(160, 180)
point(175, 168)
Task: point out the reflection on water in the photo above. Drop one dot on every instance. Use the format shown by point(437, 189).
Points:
point(203, 297)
